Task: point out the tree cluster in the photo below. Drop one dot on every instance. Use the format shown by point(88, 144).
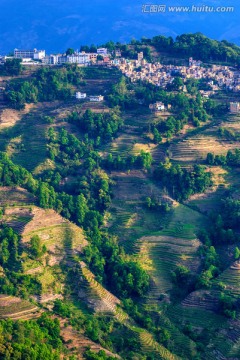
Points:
point(141, 161)
point(47, 84)
point(182, 183)
point(231, 159)
point(27, 340)
point(101, 127)
point(12, 67)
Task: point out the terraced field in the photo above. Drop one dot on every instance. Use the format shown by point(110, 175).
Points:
point(175, 245)
point(102, 301)
point(197, 148)
point(161, 255)
point(231, 279)
point(33, 143)
point(161, 241)
point(203, 299)
point(9, 117)
point(15, 196)
point(17, 309)
point(96, 296)
point(63, 240)
point(224, 341)
point(150, 345)
point(77, 343)
point(210, 200)
point(17, 218)
point(129, 217)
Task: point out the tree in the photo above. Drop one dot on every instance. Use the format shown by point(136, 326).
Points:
point(177, 83)
point(210, 159)
point(236, 253)
point(13, 66)
point(181, 275)
point(70, 51)
point(81, 209)
point(36, 249)
point(4, 252)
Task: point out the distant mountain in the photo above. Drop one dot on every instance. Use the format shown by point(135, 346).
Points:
point(56, 25)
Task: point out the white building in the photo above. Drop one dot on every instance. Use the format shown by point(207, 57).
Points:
point(78, 58)
point(32, 54)
point(27, 60)
point(80, 95)
point(39, 55)
point(51, 59)
point(96, 98)
point(102, 51)
point(157, 106)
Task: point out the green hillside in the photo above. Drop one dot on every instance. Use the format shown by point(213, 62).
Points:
point(119, 233)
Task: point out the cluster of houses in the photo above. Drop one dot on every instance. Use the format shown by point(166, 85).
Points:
point(159, 107)
point(217, 76)
point(101, 57)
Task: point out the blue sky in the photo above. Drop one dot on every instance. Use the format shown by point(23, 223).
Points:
point(55, 25)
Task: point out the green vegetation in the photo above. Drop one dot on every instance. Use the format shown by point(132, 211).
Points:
point(14, 282)
point(231, 159)
point(36, 249)
point(11, 67)
point(141, 161)
point(198, 46)
point(151, 274)
point(90, 355)
point(182, 183)
point(31, 339)
point(45, 85)
point(101, 127)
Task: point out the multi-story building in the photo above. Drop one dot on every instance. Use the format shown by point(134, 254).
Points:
point(78, 58)
point(102, 51)
point(62, 59)
point(93, 57)
point(51, 59)
point(31, 54)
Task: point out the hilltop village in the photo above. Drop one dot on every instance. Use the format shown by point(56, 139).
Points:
point(216, 77)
